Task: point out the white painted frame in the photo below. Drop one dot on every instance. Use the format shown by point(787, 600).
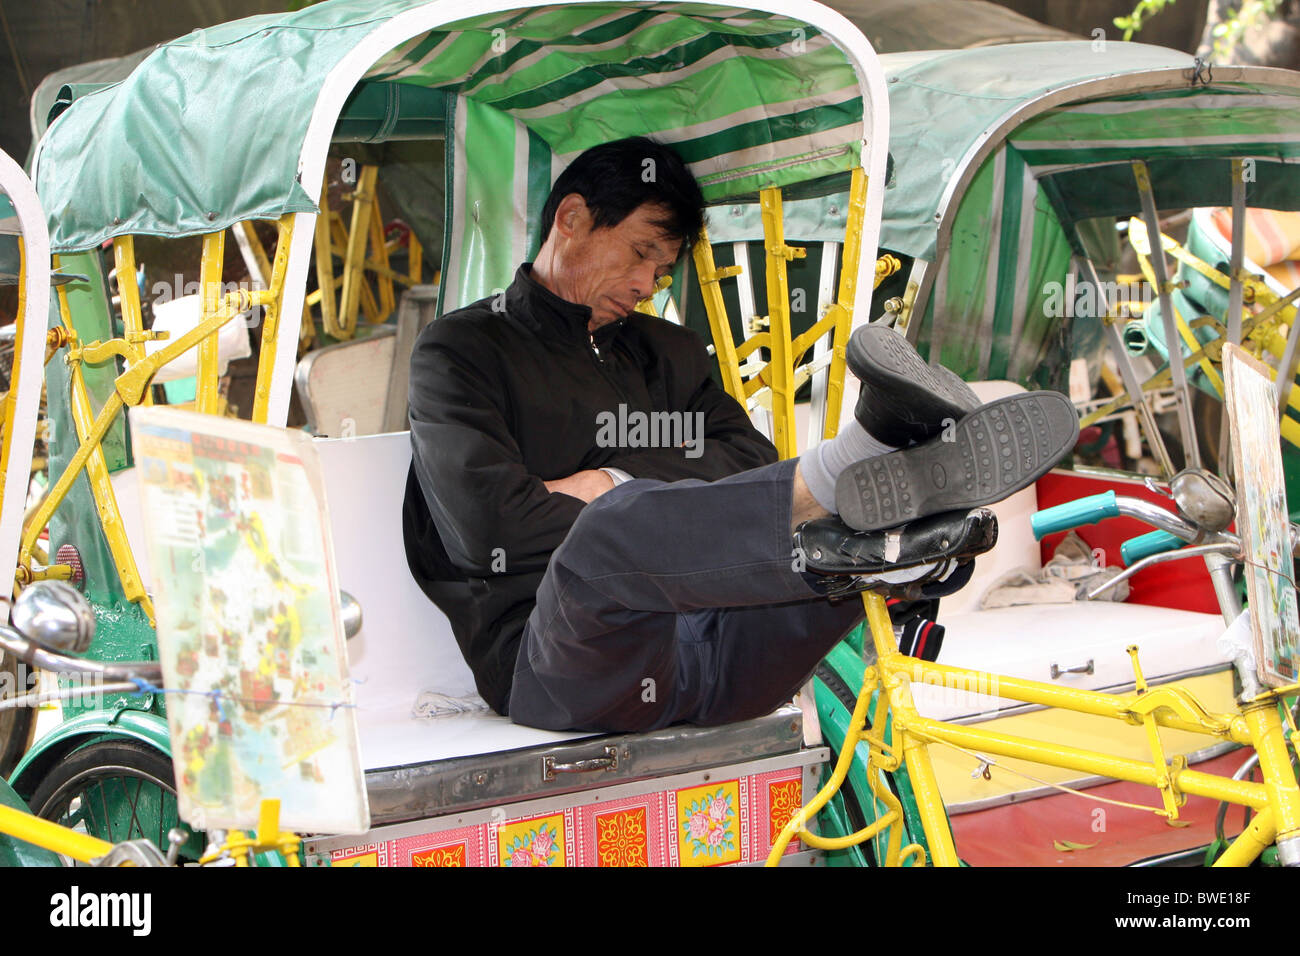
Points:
point(29, 367)
point(352, 68)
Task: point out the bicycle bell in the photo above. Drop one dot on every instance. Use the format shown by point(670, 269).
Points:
point(1203, 498)
point(55, 616)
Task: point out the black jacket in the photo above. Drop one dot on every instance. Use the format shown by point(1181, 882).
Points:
point(504, 399)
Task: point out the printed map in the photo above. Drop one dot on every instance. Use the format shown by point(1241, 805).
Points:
point(249, 637)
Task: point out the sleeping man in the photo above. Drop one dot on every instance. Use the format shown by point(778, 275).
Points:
point(615, 545)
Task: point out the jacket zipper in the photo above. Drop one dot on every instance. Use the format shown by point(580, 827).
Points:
point(600, 364)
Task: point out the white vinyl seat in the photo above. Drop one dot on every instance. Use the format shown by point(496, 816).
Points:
point(1027, 641)
point(405, 647)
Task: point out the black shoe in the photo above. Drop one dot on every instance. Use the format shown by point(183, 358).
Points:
point(988, 455)
point(903, 399)
point(829, 546)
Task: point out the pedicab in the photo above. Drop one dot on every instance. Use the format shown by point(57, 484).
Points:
point(1014, 170)
point(767, 104)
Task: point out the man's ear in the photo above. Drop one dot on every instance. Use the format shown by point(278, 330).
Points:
point(572, 215)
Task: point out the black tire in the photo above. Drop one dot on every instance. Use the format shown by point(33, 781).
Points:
point(18, 724)
point(116, 790)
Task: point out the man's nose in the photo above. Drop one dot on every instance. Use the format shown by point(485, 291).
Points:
point(643, 280)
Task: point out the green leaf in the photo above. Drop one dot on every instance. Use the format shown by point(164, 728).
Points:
point(1065, 846)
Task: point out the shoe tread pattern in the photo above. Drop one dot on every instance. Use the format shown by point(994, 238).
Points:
point(996, 450)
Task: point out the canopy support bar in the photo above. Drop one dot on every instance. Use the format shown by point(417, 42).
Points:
point(1191, 451)
point(1127, 373)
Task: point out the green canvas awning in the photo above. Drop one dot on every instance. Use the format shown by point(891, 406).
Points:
point(209, 129)
point(1010, 161)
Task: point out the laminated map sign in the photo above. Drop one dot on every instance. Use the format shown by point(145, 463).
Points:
point(1262, 521)
point(250, 637)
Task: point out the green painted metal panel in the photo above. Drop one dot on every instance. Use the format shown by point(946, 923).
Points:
point(123, 631)
point(147, 728)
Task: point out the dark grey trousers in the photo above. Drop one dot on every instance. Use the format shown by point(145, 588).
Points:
point(671, 602)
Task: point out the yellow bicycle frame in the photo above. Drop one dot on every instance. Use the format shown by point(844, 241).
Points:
point(1258, 725)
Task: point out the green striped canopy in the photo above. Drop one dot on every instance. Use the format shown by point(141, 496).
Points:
point(1056, 126)
point(208, 130)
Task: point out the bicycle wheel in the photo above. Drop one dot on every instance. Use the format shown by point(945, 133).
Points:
point(116, 790)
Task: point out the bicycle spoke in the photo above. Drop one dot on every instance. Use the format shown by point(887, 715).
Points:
point(135, 825)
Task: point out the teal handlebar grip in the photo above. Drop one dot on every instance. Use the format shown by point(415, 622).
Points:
point(1145, 545)
point(1072, 514)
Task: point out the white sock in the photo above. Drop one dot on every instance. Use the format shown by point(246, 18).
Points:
point(822, 465)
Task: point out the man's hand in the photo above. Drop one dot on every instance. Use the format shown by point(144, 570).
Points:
point(585, 485)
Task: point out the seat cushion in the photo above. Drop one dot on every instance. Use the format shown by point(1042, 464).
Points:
point(1026, 641)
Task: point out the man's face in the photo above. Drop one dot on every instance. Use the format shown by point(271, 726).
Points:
point(608, 269)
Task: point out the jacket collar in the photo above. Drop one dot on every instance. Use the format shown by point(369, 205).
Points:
point(537, 306)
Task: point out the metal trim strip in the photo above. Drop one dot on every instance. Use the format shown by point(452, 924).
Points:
point(441, 787)
point(554, 802)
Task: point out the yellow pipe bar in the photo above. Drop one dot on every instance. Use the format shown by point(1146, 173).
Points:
point(916, 754)
point(778, 310)
point(55, 572)
point(59, 489)
point(254, 243)
point(354, 257)
point(271, 320)
point(415, 258)
point(852, 839)
point(325, 268)
point(385, 276)
point(759, 340)
point(710, 277)
point(214, 248)
point(1206, 365)
point(131, 384)
point(340, 248)
point(1065, 698)
point(1251, 842)
point(850, 263)
point(97, 353)
point(1087, 761)
point(90, 454)
point(110, 516)
point(1275, 764)
point(128, 296)
point(57, 839)
point(814, 806)
point(805, 339)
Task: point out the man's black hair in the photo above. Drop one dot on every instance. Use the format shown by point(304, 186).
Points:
point(616, 178)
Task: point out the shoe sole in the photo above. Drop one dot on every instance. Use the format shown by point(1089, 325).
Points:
point(917, 394)
point(991, 454)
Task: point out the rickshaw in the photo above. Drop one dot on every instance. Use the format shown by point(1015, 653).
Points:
point(512, 91)
point(519, 89)
point(1010, 168)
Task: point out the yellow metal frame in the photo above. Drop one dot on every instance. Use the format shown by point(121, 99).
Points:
point(364, 248)
point(1265, 331)
point(1258, 724)
point(56, 838)
point(776, 381)
point(132, 388)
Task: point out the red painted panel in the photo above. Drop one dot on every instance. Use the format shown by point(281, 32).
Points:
point(1177, 584)
point(1025, 834)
